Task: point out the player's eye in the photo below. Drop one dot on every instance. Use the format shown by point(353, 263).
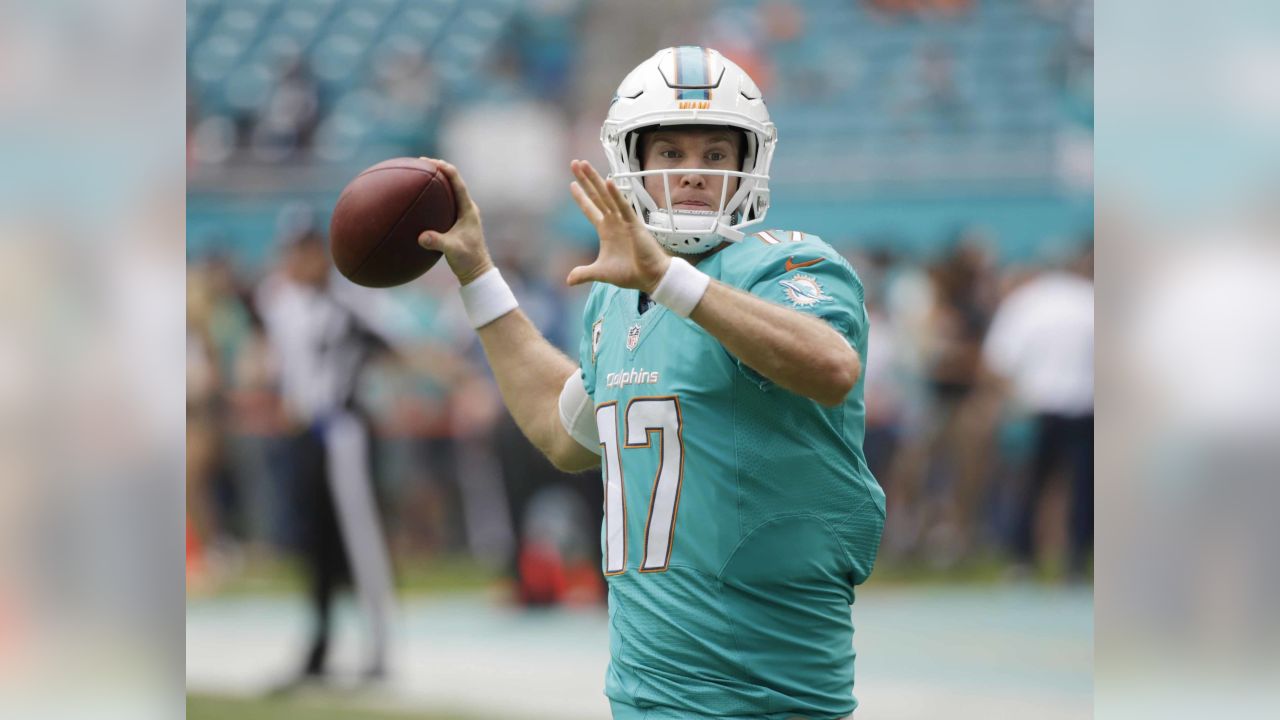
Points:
point(716, 156)
point(669, 154)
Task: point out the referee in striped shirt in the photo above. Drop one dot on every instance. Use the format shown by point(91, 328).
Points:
point(322, 334)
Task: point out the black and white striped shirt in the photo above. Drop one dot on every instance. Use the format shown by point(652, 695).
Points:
point(321, 338)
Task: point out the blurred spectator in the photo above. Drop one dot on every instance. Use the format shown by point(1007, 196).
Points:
point(907, 298)
point(544, 34)
point(408, 98)
point(286, 126)
point(942, 476)
point(214, 140)
point(193, 117)
point(514, 152)
point(219, 326)
point(204, 394)
point(229, 317)
point(883, 390)
point(932, 98)
point(1041, 342)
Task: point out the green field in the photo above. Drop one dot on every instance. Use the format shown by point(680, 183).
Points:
point(208, 707)
point(277, 575)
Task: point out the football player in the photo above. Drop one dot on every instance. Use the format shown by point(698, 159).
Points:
point(719, 386)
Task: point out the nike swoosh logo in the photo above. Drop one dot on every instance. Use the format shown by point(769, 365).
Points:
point(796, 266)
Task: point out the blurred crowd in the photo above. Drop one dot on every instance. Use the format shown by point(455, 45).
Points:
point(979, 381)
point(452, 472)
point(979, 403)
point(958, 432)
point(949, 67)
point(326, 99)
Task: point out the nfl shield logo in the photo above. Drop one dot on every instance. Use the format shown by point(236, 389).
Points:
point(633, 337)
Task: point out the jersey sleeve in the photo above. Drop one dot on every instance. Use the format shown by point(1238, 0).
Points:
point(812, 278)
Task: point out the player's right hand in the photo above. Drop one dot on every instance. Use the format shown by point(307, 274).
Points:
point(463, 245)
point(629, 256)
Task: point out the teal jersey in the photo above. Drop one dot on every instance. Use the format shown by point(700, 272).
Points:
point(739, 516)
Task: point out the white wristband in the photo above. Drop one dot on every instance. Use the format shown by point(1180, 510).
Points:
point(487, 298)
point(681, 287)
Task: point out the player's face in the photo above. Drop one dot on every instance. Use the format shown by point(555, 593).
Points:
point(673, 149)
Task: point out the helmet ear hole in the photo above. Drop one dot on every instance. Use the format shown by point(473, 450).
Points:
point(635, 159)
point(749, 145)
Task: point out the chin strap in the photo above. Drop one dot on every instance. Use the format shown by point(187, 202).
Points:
point(726, 232)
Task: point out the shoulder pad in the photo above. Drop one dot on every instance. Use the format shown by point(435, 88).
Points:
point(779, 243)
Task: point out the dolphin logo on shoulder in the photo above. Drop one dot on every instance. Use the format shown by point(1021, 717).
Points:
point(804, 290)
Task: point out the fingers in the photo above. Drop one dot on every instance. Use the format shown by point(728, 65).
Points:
point(606, 194)
point(587, 207)
point(580, 171)
point(596, 183)
point(461, 196)
point(582, 274)
point(431, 240)
point(620, 200)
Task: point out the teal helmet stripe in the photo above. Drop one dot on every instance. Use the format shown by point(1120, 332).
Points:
point(691, 69)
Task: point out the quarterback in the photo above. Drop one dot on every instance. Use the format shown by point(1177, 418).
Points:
point(719, 388)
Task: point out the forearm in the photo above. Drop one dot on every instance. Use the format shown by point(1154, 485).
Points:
point(798, 352)
point(530, 372)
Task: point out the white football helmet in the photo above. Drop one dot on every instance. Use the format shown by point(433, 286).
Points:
point(691, 86)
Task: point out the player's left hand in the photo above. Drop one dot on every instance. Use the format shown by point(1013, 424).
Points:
point(629, 257)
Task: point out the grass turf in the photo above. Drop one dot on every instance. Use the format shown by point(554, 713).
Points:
point(209, 707)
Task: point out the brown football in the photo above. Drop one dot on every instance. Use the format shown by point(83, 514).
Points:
point(373, 235)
